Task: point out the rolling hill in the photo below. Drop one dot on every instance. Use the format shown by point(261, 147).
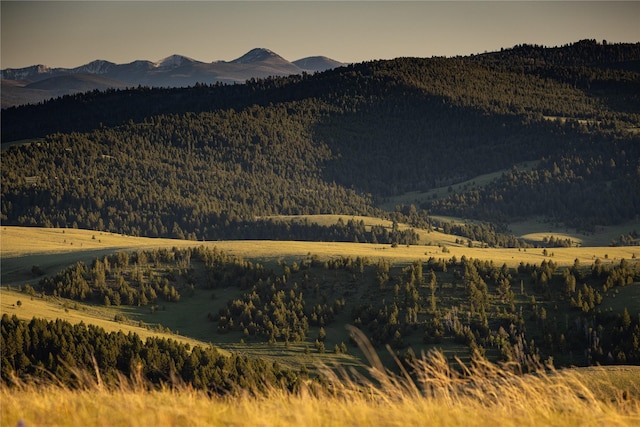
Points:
point(345, 141)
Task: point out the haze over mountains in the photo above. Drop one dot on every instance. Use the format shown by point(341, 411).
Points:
point(40, 82)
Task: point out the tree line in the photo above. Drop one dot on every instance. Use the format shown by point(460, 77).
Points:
point(40, 348)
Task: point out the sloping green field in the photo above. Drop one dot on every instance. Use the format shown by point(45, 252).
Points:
point(52, 249)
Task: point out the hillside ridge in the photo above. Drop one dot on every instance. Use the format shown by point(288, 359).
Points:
point(344, 141)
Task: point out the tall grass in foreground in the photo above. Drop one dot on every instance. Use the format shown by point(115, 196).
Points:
point(482, 395)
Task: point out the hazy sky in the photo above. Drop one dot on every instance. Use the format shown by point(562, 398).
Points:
point(69, 34)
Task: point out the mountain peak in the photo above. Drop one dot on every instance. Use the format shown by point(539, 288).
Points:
point(258, 54)
point(25, 73)
point(173, 61)
point(173, 71)
point(99, 66)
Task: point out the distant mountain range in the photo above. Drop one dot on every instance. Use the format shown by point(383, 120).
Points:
point(38, 82)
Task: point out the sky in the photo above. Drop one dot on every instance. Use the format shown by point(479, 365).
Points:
point(72, 33)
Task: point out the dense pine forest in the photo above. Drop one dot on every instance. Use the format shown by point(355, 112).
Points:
point(205, 162)
point(29, 349)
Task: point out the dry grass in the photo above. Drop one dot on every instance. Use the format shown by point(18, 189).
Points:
point(483, 395)
point(536, 229)
point(22, 247)
point(20, 241)
point(75, 312)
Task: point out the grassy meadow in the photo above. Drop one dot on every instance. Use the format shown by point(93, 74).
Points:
point(487, 395)
point(74, 312)
point(51, 250)
point(23, 247)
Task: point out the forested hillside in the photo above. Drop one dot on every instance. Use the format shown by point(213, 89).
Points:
point(203, 162)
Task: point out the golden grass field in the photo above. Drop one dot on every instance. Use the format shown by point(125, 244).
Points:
point(585, 397)
point(488, 396)
point(58, 308)
point(52, 249)
point(20, 246)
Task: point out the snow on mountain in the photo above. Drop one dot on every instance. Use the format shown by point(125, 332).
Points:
point(95, 67)
point(257, 63)
point(25, 73)
point(257, 55)
point(174, 61)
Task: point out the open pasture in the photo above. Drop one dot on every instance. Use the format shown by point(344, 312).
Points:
point(20, 241)
point(536, 229)
point(51, 249)
point(602, 395)
point(191, 316)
